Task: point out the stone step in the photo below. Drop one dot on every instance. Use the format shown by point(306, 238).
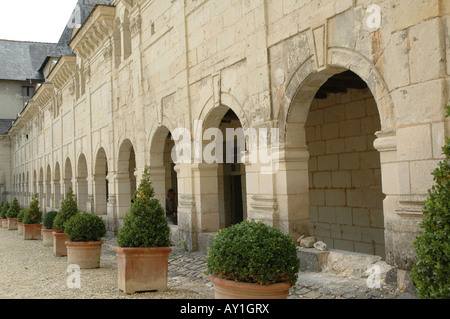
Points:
point(342, 263)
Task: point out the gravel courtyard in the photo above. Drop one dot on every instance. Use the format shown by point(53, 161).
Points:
point(29, 270)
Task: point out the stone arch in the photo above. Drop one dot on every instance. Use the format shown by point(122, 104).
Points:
point(162, 166)
point(125, 176)
point(48, 188)
point(314, 198)
point(228, 101)
point(68, 176)
point(82, 182)
point(100, 182)
point(57, 185)
point(219, 179)
point(306, 81)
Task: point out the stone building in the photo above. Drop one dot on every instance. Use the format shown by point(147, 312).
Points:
point(352, 91)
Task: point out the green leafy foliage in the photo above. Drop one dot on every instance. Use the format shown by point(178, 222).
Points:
point(253, 252)
point(14, 209)
point(145, 224)
point(4, 210)
point(68, 209)
point(33, 215)
point(21, 214)
point(85, 227)
point(49, 219)
point(431, 271)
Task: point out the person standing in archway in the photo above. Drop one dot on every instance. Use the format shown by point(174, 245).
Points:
point(171, 207)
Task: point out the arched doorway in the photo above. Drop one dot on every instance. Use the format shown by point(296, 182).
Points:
point(125, 178)
point(48, 189)
point(229, 172)
point(82, 183)
point(162, 167)
point(101, 185)
point(57, 186)
point(334, 116)
point(68, 176)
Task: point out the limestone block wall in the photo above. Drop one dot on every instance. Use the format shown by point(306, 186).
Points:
point(345, 197)
point(144, 68)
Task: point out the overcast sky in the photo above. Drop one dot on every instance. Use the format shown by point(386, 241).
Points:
point(34, 20)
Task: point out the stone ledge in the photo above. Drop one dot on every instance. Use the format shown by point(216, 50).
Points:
point(312, 259)
point(341, 262)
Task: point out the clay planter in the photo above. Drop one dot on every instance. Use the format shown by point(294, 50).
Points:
point(47, 237)
point(4, 223)
point(142, 269)
point(12, 223)
point(32, 231)
point(84, 254)
point(229, 289)
point(59, 243)
point(19, 228)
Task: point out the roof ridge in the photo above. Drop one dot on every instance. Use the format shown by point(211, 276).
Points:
point(25, 41)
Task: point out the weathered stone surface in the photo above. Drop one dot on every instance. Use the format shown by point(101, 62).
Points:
point(142, 69)
point(308, 242)
point(320, 245)
point(312, 259)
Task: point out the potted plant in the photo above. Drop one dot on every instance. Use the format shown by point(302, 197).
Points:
point(12, 213)
point(32, 221)
point(144, 243)
point(251, 260)
point(4, 210)
point(431, 269)
point(68, 209)
point(19, 221)
point(47, 228)
point(85, 231)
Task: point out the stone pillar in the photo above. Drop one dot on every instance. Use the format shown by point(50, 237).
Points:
point(292, 191)
point(402, 212)
point(122, 194)
point(187, 215)
point(99, 197)
point(158, 178)
point(205, 178)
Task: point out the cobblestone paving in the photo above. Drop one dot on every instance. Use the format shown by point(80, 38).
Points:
point(310, 285)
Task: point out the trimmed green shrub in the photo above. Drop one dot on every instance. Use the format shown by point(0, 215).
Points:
point(68, 209)
point(49, 219)
point(33, 215)
point(253, 252)
point(14, 209)
point(431, 271)
point(85, 227)
point(146, 224)
point(21, 214)
point(4, 210)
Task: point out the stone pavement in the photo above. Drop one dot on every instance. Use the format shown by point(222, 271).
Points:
point(310, 285)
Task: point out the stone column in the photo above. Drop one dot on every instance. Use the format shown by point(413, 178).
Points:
point(205, 179)
point(187, 216)
point(100, 198)
point(400, 211)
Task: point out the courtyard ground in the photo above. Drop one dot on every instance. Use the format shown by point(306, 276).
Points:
point(29, 270)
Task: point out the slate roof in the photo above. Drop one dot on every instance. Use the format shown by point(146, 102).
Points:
point(79, 15)
point(5, 124)
point(20, 61)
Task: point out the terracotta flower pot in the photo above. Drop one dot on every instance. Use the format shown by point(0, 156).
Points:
point(19, 228)
point(4, 223)
point(47, 237)
point(229, 289)
point(59, 243)
point(84, 254)
point(142, 269)
point(32, 231)
point(12, 223)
